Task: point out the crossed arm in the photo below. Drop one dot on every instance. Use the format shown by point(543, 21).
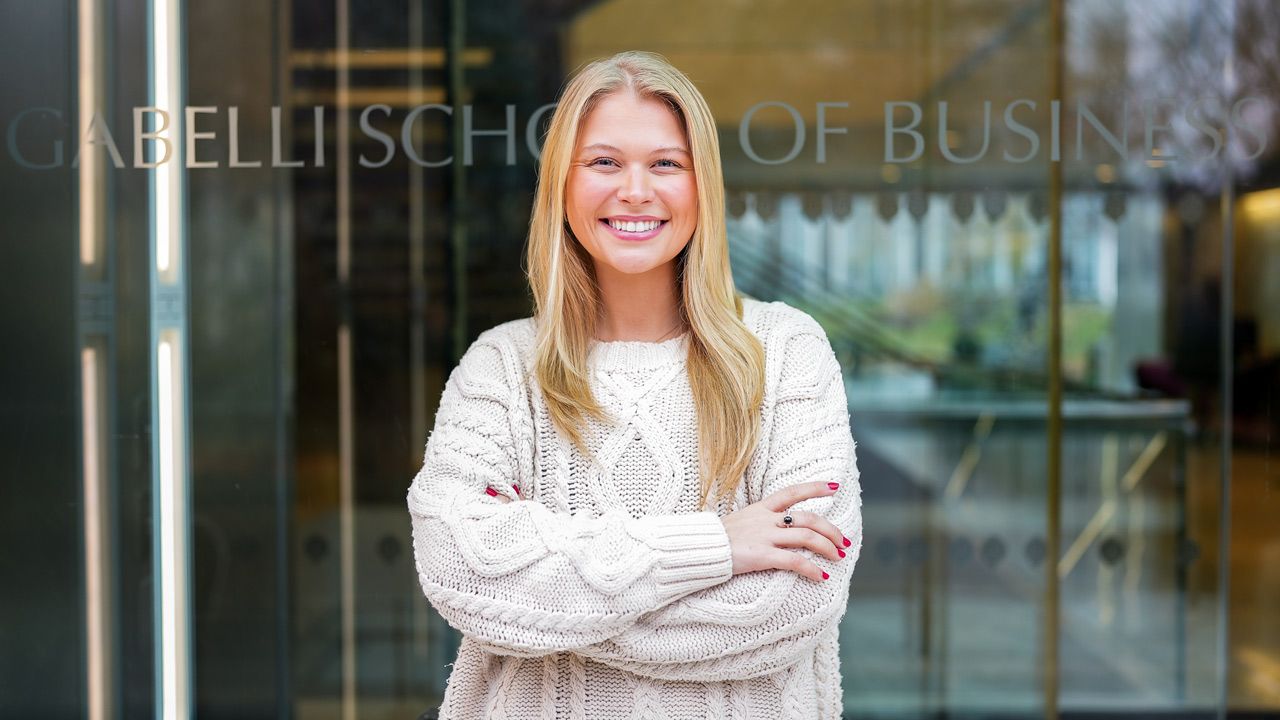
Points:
point(519, 577)
point(654, 596)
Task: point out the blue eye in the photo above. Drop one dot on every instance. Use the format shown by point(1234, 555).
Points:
point(673, 163)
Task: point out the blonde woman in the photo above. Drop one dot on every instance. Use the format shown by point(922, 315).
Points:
point(643, 501)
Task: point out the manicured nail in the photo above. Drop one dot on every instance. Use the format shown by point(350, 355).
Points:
point(517, 487)
point(825, 575)
point(840, 551)
point(846, 541)
point(834, 486)
point(492, 492)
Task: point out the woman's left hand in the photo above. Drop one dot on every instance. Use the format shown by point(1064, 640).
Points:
point(500, 496)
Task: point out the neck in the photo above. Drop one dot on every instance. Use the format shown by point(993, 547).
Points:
point(642, 306)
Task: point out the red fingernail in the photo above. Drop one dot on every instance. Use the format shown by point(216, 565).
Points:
point(834, 486)
point(846, 542)
point(840, 551)
point(517, 487)
point(825, 575)
point(492, 492)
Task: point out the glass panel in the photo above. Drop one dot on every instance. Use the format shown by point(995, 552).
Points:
point(1251, 270)
point(1128, 558)
point(1149, 242)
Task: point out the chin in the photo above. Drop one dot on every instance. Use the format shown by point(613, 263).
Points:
point(633, 269)
point(631, 266)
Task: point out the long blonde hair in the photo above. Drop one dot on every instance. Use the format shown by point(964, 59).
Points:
point(725, 360)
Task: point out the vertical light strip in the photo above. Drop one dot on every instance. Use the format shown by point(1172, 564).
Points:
point(173, 518)
point(346, 431)
point(97, 537)
point(90, 164)
point(164, 91)
point(96, 541)
point(171, 473)
point(343, 140)
point(168, 588)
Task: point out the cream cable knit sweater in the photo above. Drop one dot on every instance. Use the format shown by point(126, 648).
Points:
point(601, 592)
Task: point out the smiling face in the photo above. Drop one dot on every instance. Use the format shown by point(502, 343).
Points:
point(631, 198)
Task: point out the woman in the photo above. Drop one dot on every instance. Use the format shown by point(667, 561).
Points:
point(643, 501)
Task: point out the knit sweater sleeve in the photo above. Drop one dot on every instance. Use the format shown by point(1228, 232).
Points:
point(521, 578)
point(756, 623)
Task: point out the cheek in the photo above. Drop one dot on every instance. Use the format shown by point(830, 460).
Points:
point(576, 193)
point(684, 199)
point(587, 193)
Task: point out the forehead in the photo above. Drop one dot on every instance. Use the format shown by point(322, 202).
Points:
point(626, 123)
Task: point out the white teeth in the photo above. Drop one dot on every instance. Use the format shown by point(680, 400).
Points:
point(634, 227)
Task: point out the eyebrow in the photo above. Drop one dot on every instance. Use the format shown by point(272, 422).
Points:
point(604, 146)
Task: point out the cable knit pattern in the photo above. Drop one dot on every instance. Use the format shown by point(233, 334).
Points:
point(607, 572)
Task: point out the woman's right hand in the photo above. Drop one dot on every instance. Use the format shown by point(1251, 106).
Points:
point(758, 537)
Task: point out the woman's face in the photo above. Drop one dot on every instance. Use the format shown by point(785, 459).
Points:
point(632, 166)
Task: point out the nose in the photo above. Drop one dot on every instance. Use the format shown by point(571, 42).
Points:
point(636, 187)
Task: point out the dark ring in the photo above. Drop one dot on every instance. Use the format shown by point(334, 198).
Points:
point(787, 520)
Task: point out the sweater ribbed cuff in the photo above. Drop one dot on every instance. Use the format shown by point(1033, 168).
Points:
point(693, 551)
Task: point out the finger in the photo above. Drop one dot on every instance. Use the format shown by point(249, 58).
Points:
point(494, 493)
point(809, 539)
point(797, 563)
point(828, 529)
point(817, 524)
point(792, 494)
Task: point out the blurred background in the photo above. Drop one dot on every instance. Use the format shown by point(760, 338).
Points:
point(219, 373)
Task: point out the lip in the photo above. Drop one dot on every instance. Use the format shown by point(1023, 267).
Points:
point(635, 218)
point(630, 236)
